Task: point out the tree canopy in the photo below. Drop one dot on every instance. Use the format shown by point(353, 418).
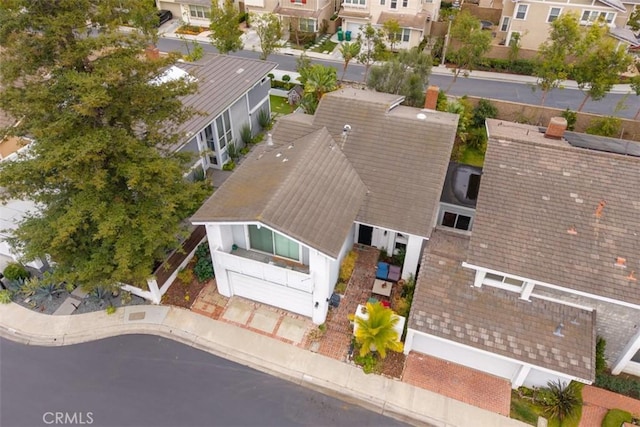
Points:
point(472, 44)
point(269, 31)
point(225, 29)
point(372, 47)
point(405, 74)
point(101, 168)
point(317, 80)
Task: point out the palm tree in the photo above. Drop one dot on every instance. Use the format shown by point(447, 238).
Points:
point(349, 51)
point(376, 332)
point(561, 400)
point(317, 80)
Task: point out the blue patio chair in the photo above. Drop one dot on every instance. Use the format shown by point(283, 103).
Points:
point(382, 271)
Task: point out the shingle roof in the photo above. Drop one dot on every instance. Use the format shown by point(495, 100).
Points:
point(300, 187)
point(221, 79)
point(402, 159)
point(558, 214)
point(447, 306)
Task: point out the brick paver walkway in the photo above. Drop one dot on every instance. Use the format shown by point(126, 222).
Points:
point(597, 401)
point(458, 382)
point(337, 339)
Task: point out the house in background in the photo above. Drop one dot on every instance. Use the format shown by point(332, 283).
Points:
point(305, 16)
point(192, 12)
point(532, 19)
point(414, 17)
point(551, 263)
point(364, 169)
point(231, 94)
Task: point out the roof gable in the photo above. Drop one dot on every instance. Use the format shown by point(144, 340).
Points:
point(558, 214)
point(300, 188)
point(401, 158)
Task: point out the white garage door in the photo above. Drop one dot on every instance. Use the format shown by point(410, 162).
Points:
point(271, 293)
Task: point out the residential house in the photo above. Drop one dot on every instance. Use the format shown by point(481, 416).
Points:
point(364, 169)
point(551, 263)
point(305, 16)
point(232, 92)
point(192, 12)
point(532, 19)
point(414, 17)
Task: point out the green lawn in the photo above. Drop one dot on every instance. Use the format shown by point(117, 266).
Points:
point(328, 45)
point(279, 105)
point(472, 157)
point(523, 409)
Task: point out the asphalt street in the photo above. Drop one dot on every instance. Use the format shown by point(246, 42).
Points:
point(619, 105)
point(141, 380)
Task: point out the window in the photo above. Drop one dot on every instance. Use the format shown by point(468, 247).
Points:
point(589, 16)
point(505, 24)
point(223, 124)
point(406, 33)
point(554, 12)
point(264, 240)
point(199, 11)
point(381, 2)
point(503, 282)
point(355, 2)
point(405, 3)
point(308, 25)
point(457, 221)
point(394, 4)
point(521, 12)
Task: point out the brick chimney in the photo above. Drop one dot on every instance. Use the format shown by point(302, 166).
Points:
point(431, 97)
point(152, 52)
point(556, 128)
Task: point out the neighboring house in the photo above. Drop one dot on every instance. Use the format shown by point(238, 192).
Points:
point(552, 261)
point(531, 19)
point(414, 17)
point(192, 12)
point(363, 169)
point(231, 93)
point(306, 16)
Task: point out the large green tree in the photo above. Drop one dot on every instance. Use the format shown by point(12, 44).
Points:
point(599, 63)
point(225, 27)
point(269, 31)
point(109, 188)
point(472, 44)
point(552, 65)
point(406, 74)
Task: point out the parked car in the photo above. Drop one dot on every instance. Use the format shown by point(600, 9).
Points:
point(164, 16)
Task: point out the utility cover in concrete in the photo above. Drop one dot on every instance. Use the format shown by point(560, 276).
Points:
point(237, 311)
point(292, 329)
point(264, 320)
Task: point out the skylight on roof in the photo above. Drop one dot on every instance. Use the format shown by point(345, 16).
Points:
point(171, 74)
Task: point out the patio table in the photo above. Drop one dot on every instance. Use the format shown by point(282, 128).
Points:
point(382, 287)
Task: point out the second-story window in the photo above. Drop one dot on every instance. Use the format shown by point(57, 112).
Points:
point(554, 12)
point(355, 2)
point(394, 4)
point(381, 2)
point(589, 16)
point(405, 3)
point(521, 13)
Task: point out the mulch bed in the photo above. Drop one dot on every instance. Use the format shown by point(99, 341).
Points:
point(178, 292)
point(393, 364)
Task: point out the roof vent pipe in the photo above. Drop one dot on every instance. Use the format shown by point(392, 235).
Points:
point(269, 140)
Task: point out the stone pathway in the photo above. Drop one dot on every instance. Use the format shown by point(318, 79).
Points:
point(597, 401)
point(458, 382)
point(337, 339)
point(72, 302)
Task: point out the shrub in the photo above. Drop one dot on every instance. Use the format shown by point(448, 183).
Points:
point(125, 297)
point(604, 126)
point(368, 362)
point(111, 309)
point(203, 268)
point(264, 118)
point(185, 276)
point(441, 104)
point(245, 133)
point(15, 272)
point(571, 117)
point(619, 384)
point(5, 296)
point(286, 79)
point(484, 110)
point(233, 151)
point(244, 151)
point(476, 138)
point(615, 418)
point(229, 166)
point(601, 362)
point(271, 76)
point(376, 332)
point(199, 174)
point(347, 266)
point(561, 401)
point(202, 251)
point(341, 287)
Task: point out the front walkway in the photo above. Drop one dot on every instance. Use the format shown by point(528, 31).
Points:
point(458, 382)
point(597, 401)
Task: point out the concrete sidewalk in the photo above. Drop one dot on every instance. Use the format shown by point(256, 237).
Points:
point(380, 394)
